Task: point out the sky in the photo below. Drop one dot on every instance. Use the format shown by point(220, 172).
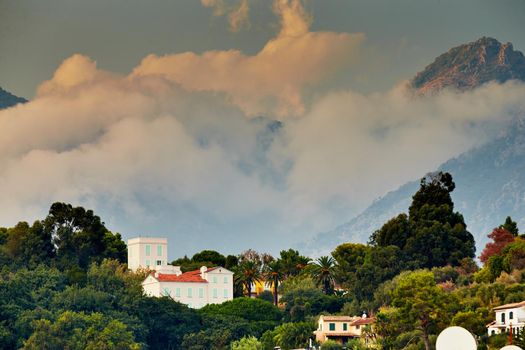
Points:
point(235, 124)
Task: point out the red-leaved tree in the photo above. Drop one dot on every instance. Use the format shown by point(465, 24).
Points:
point(500, 238)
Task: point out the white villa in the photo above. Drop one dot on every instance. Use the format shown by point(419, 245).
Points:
point(341, 328)
point(194, 288)
point(508, 316)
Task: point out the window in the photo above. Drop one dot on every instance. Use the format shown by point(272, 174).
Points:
point(201, 292)
point(345, 326)
point(511, 315)
point(148, 250)
point(357, 327)
point(331, 326)
point(502, 317)
point(177, 292)
point(166, 291)
point(225, 293)
point(147, 263)
point(214, 279)
point(215, 292)
point(159, 250)
point(190, 292)
point(225, 279)
point(159, 262)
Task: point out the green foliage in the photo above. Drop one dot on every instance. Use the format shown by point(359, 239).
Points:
point(293, 335)
point(210, 256)
point(292, 263)
point(209, 339)
point(81, 331)
point(497, 341)
point(323, 273)
point(166, 321)
point(303, 299)
point(432, 234)
point(241, 317)
point(331, 345)
point(266, 295)
point(511, 226)
point(246, 308)
point(247, 343)
point(472, 321)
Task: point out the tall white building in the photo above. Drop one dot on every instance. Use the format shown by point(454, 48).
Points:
point(194, 288)
point(147, 252)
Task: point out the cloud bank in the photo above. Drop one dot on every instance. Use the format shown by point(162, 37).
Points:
point(174, 149)
point(270, 82)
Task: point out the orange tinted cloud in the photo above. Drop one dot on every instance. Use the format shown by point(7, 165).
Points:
point(270, 82)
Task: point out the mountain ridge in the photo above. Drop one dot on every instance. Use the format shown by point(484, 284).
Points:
point(471, 65)
point(490, 179)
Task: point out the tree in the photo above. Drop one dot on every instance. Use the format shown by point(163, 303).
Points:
point(510, 226)
point(29, 245)
point(166, 321)
point(349, 258)
point(273, 275)
point(395, 232)
point(247, 274)
point(293, 335)
point(323, 272)
point(432, 234)
point(210, 256)
point(501, 237)
point(80, 237)
point(247, 343)
point(79, 331)
point(421, 302)
point(292, 262)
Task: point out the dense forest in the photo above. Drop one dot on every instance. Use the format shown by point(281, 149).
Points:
point(64, 284)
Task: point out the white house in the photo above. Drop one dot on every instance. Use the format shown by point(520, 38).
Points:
point(341, 328)
point(508, 316)
point(195, 288)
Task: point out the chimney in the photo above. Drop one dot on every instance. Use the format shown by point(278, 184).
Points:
point(203, 271)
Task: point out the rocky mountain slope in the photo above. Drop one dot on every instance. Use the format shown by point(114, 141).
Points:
point(8, 100)
point(490, 180)
point(471, 65)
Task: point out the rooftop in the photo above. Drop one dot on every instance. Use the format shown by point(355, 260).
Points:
point(510, 306)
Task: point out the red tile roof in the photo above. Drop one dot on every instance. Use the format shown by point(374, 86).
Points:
point(190, 276)
point(363, 321)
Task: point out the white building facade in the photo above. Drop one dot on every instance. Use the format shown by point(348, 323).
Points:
point(194, 288)
point(508, 316)
point(147, 252)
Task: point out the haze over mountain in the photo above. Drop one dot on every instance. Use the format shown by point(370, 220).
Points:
point(490, 180)
point(8, 100)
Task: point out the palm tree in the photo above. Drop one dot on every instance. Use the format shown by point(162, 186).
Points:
point(273, 275)
point(248, 273)
point(323, 272)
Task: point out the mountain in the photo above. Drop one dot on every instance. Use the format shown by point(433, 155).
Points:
point(8, 100)
point(490, 180)
point(470, 65)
